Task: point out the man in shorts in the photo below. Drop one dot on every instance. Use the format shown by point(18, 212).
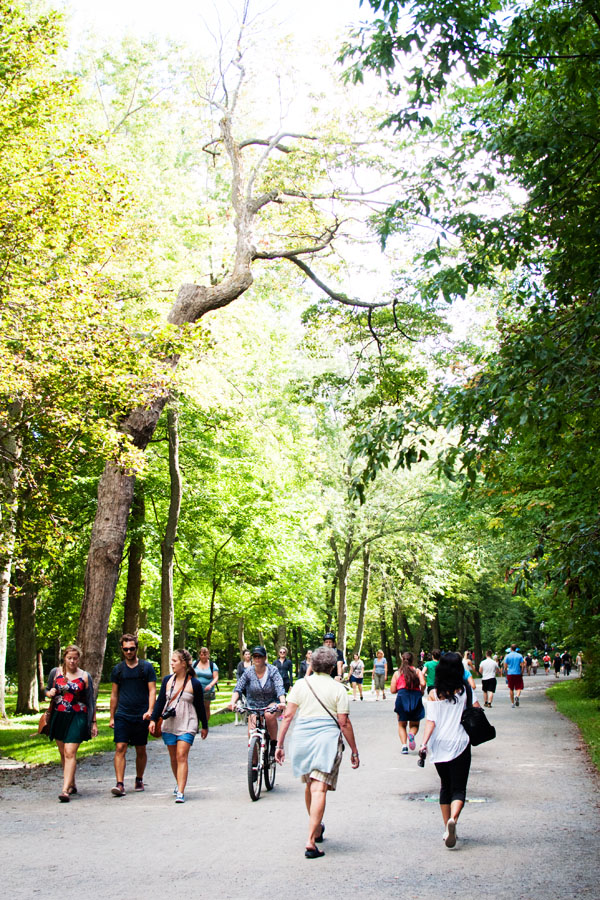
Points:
point(488, 671)
point(513, 669)
point(131, 703)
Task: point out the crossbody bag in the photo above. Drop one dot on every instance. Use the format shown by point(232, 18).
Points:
point(341, 745)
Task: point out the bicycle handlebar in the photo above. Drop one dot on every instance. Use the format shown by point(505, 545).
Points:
point(272, 707)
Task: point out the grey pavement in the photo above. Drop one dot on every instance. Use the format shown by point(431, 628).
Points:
point(530, 830)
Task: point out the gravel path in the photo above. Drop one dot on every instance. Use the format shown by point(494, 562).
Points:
point(531, 828)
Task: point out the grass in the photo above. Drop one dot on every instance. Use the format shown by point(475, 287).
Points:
point(572, 702)
point(18, 738)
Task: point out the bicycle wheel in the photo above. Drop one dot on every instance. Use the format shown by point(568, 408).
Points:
point(255, 771)
point(270, 767)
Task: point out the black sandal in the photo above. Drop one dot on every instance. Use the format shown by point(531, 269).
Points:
point(314, 853)
point(319, 840)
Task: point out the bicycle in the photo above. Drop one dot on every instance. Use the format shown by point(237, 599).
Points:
point(260, 760)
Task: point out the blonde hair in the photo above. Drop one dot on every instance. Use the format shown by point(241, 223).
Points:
point(72, 648)
point(186, 657)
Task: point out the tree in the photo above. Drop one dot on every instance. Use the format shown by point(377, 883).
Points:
point(253, 193)
point(507, 95)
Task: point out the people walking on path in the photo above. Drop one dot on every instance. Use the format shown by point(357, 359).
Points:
point(513, 665)
point(262, 685)
point(408, 684)
point(546, 662)
point(488, 671)
point(380, 673)
point(446, 742)
point(132, 700)
point(357, 673)
point(567, 662)
point(323, 716)
point(557, 664)
point(182, 707)
point(429, 668)
point(284, 665)
point(534, 665)
point(528, 662)
point(305, 665)
point(207, 673)
point(73, 718)
point(244, 663)
point(579, 663)
point(468, 664)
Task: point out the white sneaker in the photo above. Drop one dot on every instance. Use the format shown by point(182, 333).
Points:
point(450, 834)
point(179, 798)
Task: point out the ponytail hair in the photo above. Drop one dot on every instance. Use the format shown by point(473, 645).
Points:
point(411, 679)
point(186, 657)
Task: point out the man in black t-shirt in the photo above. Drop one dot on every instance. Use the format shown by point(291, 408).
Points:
point(338, 672)
point(131, 704)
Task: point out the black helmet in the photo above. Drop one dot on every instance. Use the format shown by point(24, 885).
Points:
point(329, 636)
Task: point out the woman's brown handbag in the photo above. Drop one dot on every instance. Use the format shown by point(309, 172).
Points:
point(158, 727)
point(44, 723)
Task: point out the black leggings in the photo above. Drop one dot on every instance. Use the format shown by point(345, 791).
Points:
point(454, 775)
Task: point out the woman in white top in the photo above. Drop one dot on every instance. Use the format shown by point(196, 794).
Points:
point(447, 742)
point(322, 707)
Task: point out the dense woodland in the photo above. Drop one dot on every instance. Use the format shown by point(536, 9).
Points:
point(273, 363)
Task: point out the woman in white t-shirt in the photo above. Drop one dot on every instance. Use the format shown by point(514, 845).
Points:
point(488, 671)
point(447, 742)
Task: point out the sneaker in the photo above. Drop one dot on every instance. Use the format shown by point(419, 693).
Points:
point(517, 702)
point(412, 744)
point(362, 698)
point(139, 784)
point(404, 749)
point(384, 695)
point(513, 706)
point(179, 798)
point(450, 834)
point(175, 791)
point(118, 790)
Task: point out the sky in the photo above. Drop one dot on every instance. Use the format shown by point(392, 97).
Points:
point(186, 19)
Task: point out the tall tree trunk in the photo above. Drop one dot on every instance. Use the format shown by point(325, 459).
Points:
point(142, 646)
point(364, 594)
point(477, 647)
point(10, 473)
point(396, 630)
point(213, 610)
point(40, 675)
point(167, 547)
point(406, 630)
point(461, 630)
point(281, 639)
point(115, 491)
point(435, 630)
point(342, 565)
point(230, 656)
point(23, 602)
point(331, 607)
point(241, 636)
point(418, 637)
point(131, 612)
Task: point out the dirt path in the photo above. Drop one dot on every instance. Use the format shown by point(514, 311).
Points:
point(531, 830)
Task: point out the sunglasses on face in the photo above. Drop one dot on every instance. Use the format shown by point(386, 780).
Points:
point(128, 649)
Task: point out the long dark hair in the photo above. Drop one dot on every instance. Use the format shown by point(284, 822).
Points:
point(449, 674)
point(411, 679)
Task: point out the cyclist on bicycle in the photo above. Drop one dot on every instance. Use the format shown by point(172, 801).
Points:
point(263, 686)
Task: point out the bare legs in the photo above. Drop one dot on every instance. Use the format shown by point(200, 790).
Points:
point(178, 754)
point(451, 810)
point(413, 729)
point(315, 796)
point(68, 761)
point(207, 708)
point(141, 758)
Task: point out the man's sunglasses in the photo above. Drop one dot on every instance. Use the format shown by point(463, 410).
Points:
point(128, 649)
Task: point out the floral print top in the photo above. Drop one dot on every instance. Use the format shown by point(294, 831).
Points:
point(68, 699)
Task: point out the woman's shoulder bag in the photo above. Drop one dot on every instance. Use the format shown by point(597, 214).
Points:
point(475, 722)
